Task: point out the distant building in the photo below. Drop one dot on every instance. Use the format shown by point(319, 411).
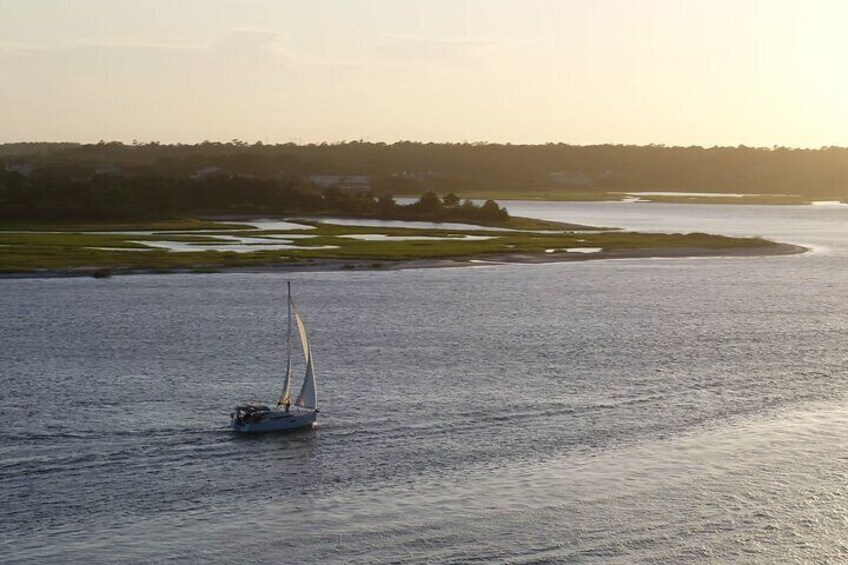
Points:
point(21, 168)
point(570, 178)
point(353, 183)
point(109, 169)
point(417, 175)
point(207, 172)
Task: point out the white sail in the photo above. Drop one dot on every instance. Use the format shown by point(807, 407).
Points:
point(285, 396)
point(301, 329)
point(308, 397)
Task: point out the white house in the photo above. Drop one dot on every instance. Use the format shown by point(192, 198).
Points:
point(354, 183)
point(570, 178)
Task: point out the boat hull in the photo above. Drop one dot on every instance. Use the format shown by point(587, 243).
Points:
point(277, 421)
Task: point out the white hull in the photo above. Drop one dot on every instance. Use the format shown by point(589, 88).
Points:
point(277, 420)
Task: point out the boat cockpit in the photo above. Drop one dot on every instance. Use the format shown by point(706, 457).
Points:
point(249, 413)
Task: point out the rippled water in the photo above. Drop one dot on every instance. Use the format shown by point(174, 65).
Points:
point(675, 410)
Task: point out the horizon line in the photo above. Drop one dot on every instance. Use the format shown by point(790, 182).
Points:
point(236, 142)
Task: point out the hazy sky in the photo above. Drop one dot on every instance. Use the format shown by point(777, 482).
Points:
point(679, 72)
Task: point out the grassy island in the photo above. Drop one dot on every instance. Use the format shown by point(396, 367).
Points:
point(209, 246)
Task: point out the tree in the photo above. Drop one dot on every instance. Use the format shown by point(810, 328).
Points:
point(386, 203)
point(450, 200)
point(491, 211)
point(429, 203)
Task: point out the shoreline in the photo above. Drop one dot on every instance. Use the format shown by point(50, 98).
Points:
point(324, 265)
point(695, 198)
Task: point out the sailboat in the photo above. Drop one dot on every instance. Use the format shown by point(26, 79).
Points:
point(251, 418)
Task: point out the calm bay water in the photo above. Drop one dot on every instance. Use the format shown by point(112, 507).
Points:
point(671, 410)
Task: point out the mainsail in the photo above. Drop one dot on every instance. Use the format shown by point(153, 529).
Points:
point(308, 397)
point(285, 397)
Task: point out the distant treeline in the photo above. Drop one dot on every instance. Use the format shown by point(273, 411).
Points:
point(414, 168)
point(111, 197)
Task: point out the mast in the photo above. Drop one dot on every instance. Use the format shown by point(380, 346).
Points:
point(285, 397)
